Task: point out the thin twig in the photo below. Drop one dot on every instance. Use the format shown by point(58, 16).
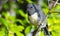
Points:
point(39, 2)
point(52, 4)
point(58, 3)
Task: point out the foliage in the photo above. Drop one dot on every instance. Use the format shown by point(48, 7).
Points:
point(20, 25)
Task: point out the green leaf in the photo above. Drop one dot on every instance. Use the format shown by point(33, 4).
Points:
point(27, 30)
point(20, 1)
point(20, 28)
point(29, 1)
point(5, 6)
point(3, 32)
point(20, 21)
point(57, 8)
point(19, 34)
point(21, 13)
point(3, 21)
point(12, 18)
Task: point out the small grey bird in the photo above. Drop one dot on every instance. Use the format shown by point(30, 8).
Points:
point(35, 14)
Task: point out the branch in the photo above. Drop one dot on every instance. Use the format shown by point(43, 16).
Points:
point(58, 3)
point(39, 2)
point(52, 4)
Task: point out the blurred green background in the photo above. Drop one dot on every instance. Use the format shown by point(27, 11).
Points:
point(17, 24)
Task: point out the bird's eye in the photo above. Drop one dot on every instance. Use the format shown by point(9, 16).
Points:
point(31, 7)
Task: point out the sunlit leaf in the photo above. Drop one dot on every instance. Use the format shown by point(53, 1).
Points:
point(19, 34)
point(27, 30)
point(20, 28)
point(21, 13)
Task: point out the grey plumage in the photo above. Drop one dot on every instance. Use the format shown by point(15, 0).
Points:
point(35, 9)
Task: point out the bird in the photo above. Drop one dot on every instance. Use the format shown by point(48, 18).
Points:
point(36, 16)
